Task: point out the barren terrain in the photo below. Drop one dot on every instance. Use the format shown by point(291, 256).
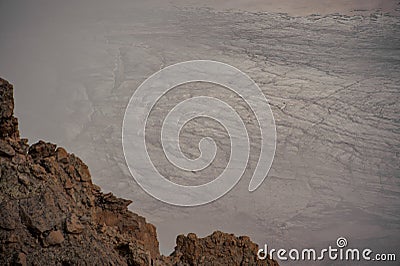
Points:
point(332, 82)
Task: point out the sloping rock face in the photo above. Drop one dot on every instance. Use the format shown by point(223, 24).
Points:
point(52, 214)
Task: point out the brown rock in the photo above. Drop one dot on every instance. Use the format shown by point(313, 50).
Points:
point(54, 238)
point(6, 100)
point(217, 249)
point(24, 179)
point(13, 238)
point(20, 160)
point(21, 259)
point(71, 171)
point(38, 171)
point(9, 215)
point(82, 169)
point(61, 155)
point(6, 149)
point(8, 123)
point(42, 150)
point(73, 225)
point(41, 213)
point(68, 183)
point(84, 173)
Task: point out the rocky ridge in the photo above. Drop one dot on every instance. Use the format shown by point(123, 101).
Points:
point(52, 213)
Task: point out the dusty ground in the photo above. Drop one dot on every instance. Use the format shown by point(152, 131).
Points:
point(333, 85)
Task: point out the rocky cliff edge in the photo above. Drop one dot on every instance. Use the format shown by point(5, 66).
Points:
point(52, 214)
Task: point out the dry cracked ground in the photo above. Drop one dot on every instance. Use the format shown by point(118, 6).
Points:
point(332, 82)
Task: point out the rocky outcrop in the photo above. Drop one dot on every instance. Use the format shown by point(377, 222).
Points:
point(52, 214)
point(8, 123)
point(216, 249)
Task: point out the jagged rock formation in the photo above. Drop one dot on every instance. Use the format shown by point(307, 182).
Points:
point(52, 213)
point(216, 249)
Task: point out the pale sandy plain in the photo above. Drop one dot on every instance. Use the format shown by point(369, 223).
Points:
point(296, 8)
point(332, 81)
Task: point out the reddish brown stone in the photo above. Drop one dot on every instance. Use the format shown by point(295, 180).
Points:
point(42, 150)
point(73, 225)
point(21, 259)
point(54, 238)
point(61, 155)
